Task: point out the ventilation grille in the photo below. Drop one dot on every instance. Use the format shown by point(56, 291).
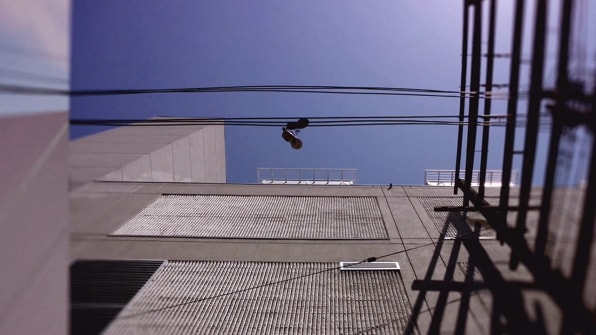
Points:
point(452, 220)
point(369, 266)
point(271, 217)
point(189, 297)
point(99, 290)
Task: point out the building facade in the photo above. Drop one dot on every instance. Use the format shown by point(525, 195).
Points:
point(157, 257)
point(192, 153)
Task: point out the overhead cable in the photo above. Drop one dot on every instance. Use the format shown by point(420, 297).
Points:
point(350, 90)
point(437, 120)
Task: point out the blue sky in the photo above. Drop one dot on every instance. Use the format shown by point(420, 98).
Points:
point(165, 44)
point(34, 50)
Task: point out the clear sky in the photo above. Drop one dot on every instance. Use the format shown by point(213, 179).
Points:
point(170, 44)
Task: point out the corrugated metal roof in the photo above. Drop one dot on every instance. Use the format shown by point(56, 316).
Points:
point(259, 217)
point(262, 298)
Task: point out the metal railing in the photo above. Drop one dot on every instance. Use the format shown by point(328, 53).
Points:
point(306, 176)
point(447, 177)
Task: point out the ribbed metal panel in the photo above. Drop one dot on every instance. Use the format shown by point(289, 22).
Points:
point(99, 289)
point(440, 218)
point(329, 302)
point(259, 217)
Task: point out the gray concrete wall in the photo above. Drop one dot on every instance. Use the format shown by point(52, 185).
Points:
point(34, 224)
point(150, 154)
point(407, 224)
point(413, 239)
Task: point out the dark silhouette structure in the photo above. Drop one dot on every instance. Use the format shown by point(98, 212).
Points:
point(538, 225)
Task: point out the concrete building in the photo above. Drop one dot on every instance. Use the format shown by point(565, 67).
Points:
point(164, 257)
point(150, 153)
point(221, 258)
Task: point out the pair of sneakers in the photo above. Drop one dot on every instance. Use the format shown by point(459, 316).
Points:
point(290, 136)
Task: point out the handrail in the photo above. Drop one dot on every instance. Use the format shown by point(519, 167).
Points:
point(436, 177)
point(308, 176)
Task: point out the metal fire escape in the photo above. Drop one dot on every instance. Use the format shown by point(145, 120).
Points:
point(569, 110)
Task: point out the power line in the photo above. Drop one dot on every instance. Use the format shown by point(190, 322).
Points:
point(360, 124)
point(370, 259)
point(167, 117)
point(350, 90)
point(312, 119)
point(316, 121)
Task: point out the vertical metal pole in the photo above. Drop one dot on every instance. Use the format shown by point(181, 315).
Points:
point(511, 109)
point(556, 129)
point(475, 97)
point(462, 96)
point(531, 136)
point(487, 98)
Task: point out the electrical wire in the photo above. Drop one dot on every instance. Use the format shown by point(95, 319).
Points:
point(347, 121)
point(370, 259)
point(362, 124)
point(351, 90)
point(312, 119)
